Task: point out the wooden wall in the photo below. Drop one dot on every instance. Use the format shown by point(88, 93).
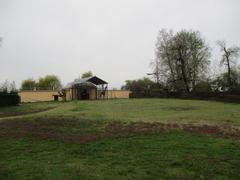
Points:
point(118, 94)
point(37, 96)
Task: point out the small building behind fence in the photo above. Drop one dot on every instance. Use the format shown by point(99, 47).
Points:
point(92, 88)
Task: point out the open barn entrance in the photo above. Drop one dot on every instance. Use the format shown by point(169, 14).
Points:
point(83, 92)
point(101, 87)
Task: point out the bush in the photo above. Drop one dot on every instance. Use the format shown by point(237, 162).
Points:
point(154, 93)
point(203, 87)
point(218, 96)
point(8, 94)
point(9, 99)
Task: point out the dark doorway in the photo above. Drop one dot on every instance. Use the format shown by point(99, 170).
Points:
point(55, 97)
point(84, 94)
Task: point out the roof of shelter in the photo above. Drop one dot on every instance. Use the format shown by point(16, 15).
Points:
point(95, 80)
point(90, 81)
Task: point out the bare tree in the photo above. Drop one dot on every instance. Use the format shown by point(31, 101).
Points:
point(163, 64)
point(155, 64)
point(228, 57)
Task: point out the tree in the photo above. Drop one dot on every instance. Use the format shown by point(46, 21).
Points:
point(222, 81)
point(156, 70)
point(183, 57)
point(192, 57)
point(228, 56)
point(138, 85)
point(9, 94)
point(13, 89)
point(8, 88)
point(28, 84)
point(87, 74)
point(163, 64)
point(49, 82)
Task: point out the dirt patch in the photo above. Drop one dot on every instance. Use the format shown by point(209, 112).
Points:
point(9, 114)
point(45, 129)
point(59, 129)
point(225, 131)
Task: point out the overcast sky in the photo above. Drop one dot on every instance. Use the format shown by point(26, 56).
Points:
point(114, 39)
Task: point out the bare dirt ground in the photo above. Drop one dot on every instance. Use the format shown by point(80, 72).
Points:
point(43, 129)
point(225, 131)
point(58, 129)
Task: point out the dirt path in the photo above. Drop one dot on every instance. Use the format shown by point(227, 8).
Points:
point(9, 115)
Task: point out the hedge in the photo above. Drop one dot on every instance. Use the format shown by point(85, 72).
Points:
point(9, 99)
point(225, 96)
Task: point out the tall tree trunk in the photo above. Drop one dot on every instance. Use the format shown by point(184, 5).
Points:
point(229, 73)
point(172, 72)
point(183, 70)
point(229, 68)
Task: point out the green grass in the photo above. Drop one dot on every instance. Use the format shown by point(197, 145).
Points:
point(149, 110)
point(27, 108)
point(167, 155)
point(170, 155)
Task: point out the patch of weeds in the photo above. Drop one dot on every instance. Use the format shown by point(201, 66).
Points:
point(180, 108)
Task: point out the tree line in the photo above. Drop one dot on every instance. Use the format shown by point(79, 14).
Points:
point(48, 82)
point(9, 94)
point(181, 64)
point(8, 88)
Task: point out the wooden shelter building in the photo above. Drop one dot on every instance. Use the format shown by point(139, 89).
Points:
point(91, 88)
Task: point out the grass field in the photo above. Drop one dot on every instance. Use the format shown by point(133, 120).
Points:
point(121, 139)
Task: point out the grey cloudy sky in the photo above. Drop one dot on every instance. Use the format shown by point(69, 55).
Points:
point(113, 38)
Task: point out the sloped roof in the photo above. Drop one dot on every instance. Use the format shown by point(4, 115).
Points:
point(90, 81)
point(95, 80)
